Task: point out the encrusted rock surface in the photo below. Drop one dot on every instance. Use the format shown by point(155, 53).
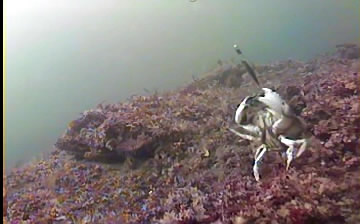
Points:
point(191, 169)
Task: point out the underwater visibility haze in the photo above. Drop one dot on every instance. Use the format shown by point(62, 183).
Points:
point(184, 111)
point(65, 57)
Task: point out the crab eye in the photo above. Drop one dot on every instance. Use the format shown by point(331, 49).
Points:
point(237, 106)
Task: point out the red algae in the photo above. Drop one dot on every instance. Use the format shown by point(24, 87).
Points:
point(190, 168)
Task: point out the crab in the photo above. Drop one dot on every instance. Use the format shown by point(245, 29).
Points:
point(267, 119)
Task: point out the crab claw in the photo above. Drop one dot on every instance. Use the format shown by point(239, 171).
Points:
point(240, 110)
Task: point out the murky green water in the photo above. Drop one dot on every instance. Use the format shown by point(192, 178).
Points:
point(65, 57)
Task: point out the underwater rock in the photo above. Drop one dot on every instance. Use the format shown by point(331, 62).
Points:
point(231, 76)
point(225, 74)
point(198, 172)
point(348, 51)
point(114, 132)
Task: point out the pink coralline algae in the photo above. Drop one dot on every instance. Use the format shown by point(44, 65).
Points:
point(169, 158)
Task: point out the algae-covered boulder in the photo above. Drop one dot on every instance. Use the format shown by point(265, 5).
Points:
point(200, 172)
point(225, 74)
point(137, 128)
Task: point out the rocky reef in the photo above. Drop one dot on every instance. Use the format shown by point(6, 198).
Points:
point(169, 158)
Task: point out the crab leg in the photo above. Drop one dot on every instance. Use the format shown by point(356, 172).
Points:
point(244, 136)
point(303, 146)
point(292, 152)
point(255, 130)
point(260, 152)
point(282, 124)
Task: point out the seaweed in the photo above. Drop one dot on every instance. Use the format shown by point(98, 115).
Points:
point(190, 168)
